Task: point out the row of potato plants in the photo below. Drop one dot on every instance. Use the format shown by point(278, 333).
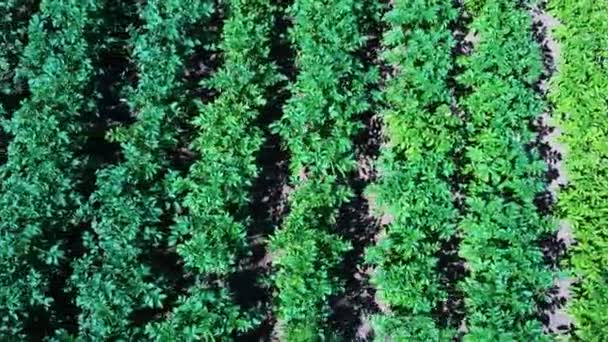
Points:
point(210, 235)
point(578, 92)
point(13, 38)
point(415, 170)
point(502, 226)
point(317, 128)
point(39, 188)
point(113, 278)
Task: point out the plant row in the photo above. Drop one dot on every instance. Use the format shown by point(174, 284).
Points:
point(114, 278)
point(502, 226)
point(13, 38)
point(317, 127)
point(211, 234)
point(578, 92)
point(39, 189)
point(415, 168)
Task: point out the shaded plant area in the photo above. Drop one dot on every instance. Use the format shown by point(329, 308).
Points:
point(41, 177)
point(351, 309)
point(13, 39)
point(252, 285)
point(105, 108)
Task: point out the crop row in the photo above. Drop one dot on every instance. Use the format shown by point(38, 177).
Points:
point(415, 169)
point(13, 38)
point(39, 194)
point(211, 234)
point(131, 197)
point(502, 226)
point(578, 92)
point(317, 127)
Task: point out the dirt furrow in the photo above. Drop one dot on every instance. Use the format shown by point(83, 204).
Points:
point(553, 152)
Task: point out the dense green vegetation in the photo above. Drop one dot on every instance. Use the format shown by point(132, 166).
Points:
point(211, 235)
point(318, 125)
point(13, 38)
point(131, 197)
point(39, 195)
point(502, 226)
point(579, 94)
point(138, 200)
point(415, 170)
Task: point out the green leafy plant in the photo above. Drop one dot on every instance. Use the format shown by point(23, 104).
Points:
point(578, 92)
point(13, 38)
point(130, 198)
point(39, 194)
point(319, 121)
point(211, 236)
point(502, 226)
point(415, 167)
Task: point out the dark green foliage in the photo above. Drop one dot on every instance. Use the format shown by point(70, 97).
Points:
point(38, 196)
point(579, 91)
point(414, 170)
point(502, 225)
point(317, 127)
point(131, 197)
point(210, 235)
point(14, 18)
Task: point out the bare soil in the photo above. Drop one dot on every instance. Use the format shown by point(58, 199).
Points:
point(269, 193)
point(357, 225)
point(555, 247)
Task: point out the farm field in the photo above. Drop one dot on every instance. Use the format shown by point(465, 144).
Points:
point(303, 170)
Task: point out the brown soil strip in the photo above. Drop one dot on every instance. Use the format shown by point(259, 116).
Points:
point(269, 195)
point(355, 223)
point(452, 268)
point(351, 309)
point(556, 320)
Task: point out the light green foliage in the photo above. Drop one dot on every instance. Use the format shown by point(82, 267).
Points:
point(208, 237)
point(579, 91)
point(130, 198)
point(38, 194)
point(414, 170)
point(502, 225)
point(317, 128)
